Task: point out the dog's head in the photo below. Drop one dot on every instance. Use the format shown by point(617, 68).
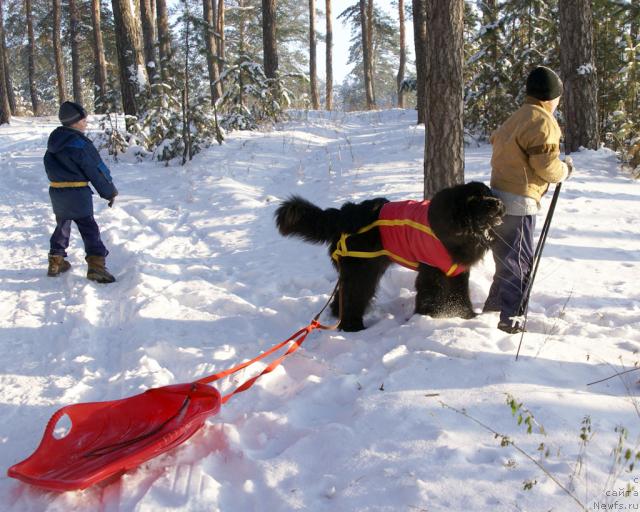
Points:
point(485, 210)
point(468, 213)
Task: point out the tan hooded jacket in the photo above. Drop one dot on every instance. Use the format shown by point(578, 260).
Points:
point(525, 155)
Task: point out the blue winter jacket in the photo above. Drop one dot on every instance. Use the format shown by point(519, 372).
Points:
point(71, 156)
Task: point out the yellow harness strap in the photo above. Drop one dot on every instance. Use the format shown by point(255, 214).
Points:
point(342, 250)
point(68, 184)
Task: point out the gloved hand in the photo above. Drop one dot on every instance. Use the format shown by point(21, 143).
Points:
point(570, 167)
point(113, 198)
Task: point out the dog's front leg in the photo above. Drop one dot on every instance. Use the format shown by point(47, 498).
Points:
point(442, 296)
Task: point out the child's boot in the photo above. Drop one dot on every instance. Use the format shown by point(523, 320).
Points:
point(97, 270)
point(57, 265)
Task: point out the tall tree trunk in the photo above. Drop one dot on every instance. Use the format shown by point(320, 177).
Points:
point(329, 57)
point(74, 35)
point(5, 107)
point(444, 130)
point(577, 63)
point(220, 35)
point(130, 59)
point(164, 39)
point(313, 64)
point(269, 42)
point(210, 19)
point(100, 64)
point(5, 62)
point(403, 54)
point(35, 101)
point(372, 66)
point(366, 56)
point(149, 38)
point(420, 42)
point(57, 51)
point(186, 117)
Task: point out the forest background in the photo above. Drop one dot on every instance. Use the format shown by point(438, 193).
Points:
point(185, 72)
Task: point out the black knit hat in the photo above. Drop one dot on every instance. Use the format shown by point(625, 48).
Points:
point(544, 84)
point(71, 113)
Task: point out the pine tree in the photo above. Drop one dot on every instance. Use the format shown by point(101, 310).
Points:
point(419, 10)
point(100, 70)
point(489, 99)
point(5, 107)
point(33, 90)
point(133, 79)
point(385, 55)
point(444, 144)
point(579, 75)
point(329, 56)
point(57, 51)
point(403, 55)
point(269, 39)
point(74, 35)
point(313, 74)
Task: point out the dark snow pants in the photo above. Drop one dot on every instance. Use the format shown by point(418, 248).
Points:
point(513, 256)
point(89, 231)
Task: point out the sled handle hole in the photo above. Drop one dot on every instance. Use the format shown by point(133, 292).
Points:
point(62, 427)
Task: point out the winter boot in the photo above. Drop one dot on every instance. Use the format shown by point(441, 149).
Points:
point(57, 265)
point(97, 271)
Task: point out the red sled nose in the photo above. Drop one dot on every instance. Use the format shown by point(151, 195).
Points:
point(106, 439)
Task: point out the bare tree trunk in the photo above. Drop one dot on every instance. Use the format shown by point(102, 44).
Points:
point(403, 54)
point(313, 64)
point(5, 107)
point(149, 38)
point(186, 118)
point(208, 9)
point(241, 46)
point(164, 38)
point(372, 67)
point(577, 63)
point(329, 57)
point(57, 52)
point(100, 64)
point(220, 35)
point(269, 42)
point(366, 56)
point(74, 35)
point(420, 42)
point(130, 60)
point(444, 144)
point(35, 101)
point(5, 63)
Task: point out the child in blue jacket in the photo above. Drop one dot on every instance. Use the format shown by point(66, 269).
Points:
point(71, 163)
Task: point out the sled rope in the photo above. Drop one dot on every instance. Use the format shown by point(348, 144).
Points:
point(295, 340)
point(343, 251)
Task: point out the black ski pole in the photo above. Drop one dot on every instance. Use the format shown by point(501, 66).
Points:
point(523, 309)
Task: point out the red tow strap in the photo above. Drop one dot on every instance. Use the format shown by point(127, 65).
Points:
point(296, 340)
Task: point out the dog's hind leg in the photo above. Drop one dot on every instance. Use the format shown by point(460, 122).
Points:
point(442, 296)
point(358, 282)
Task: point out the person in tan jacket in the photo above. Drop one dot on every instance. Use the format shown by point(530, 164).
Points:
point(525, 160)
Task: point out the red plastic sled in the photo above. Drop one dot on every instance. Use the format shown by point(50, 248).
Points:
point(108, 438)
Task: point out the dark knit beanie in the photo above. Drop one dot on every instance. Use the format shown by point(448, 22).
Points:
point(71, 113)
point(544, 84)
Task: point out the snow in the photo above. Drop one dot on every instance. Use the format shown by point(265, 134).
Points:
point(352, 421)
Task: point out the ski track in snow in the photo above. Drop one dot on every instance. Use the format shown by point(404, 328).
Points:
point(353, 421)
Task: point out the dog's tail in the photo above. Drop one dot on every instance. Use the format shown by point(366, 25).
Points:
point(298, 217)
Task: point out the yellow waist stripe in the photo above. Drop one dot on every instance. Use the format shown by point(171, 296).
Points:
point(343, 251)
point(69, 184)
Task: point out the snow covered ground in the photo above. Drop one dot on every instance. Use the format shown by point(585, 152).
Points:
point(351, 422)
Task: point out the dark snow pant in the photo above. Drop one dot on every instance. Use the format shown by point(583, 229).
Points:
point(89, 231)
point(513, 255)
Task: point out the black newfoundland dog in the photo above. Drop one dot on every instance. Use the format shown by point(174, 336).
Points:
point(440, 238)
